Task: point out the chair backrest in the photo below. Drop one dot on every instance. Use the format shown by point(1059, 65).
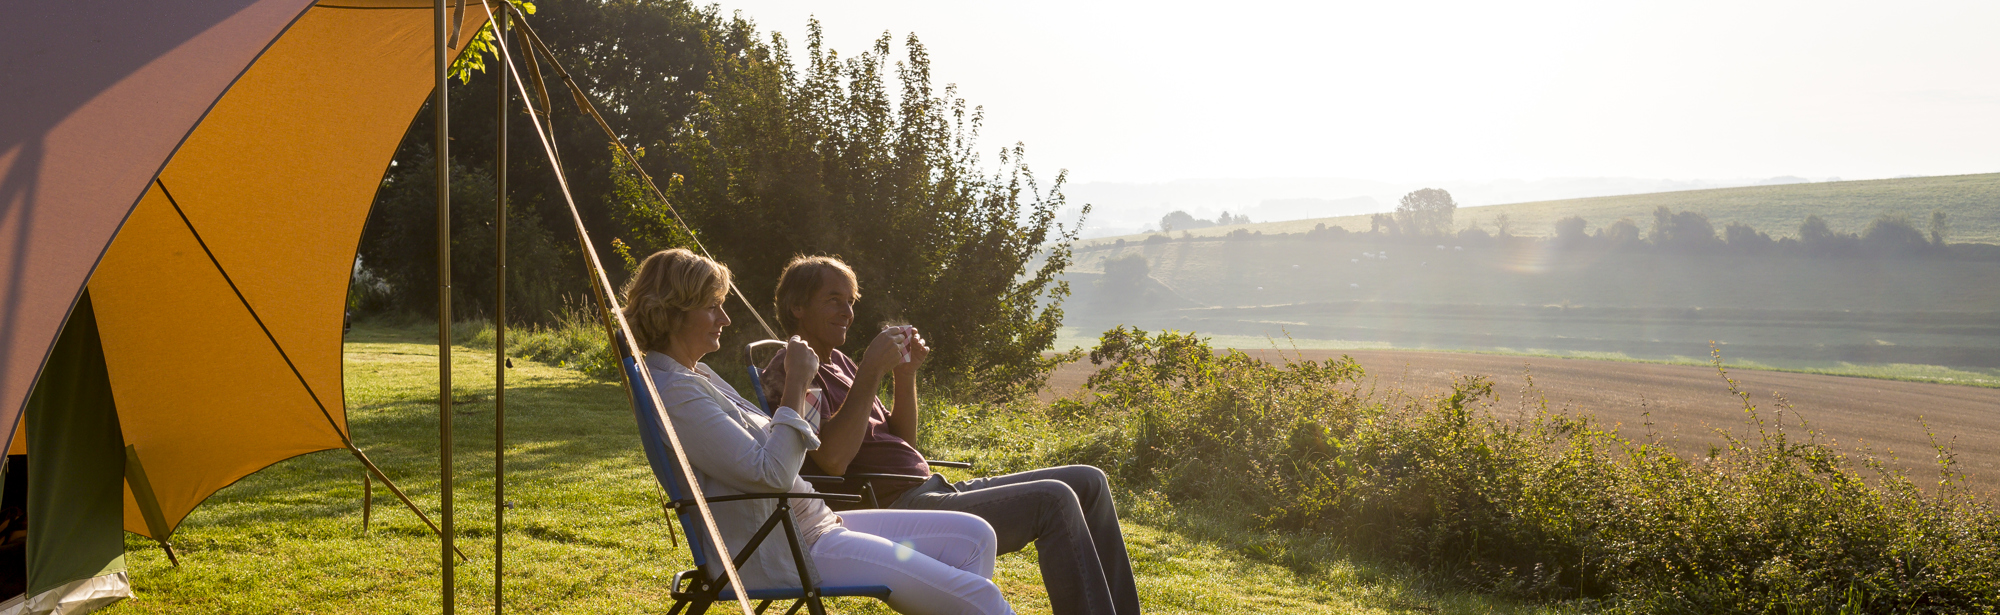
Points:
point(757, 373)
point(666, 467)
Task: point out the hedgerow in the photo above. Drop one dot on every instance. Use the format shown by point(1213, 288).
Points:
point(1549, 506)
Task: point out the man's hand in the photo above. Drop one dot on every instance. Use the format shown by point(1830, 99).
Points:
point(800, 367)
point(883, 354)
point(917, 350)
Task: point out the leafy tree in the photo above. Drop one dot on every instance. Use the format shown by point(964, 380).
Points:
point(819, 158)
point(1503, 226)
point(1623, 233)
point(1893, 236)
point(1569, 232)
point(1181, 220)
point(1426, 212)
point(1940, 228)
point(1818, 239)
point(643, 63)
point(1687, 231)
point(400, 246)
point(1745, 240)
point(1125, 275)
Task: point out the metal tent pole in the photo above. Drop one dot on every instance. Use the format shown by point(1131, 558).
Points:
point(500, 319)
point(442, 116)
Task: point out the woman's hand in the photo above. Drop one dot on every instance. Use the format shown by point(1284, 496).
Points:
point(801, 366)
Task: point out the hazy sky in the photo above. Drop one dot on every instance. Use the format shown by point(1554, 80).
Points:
point(1401, 91)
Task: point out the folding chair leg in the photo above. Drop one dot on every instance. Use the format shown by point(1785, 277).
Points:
point(763, 605)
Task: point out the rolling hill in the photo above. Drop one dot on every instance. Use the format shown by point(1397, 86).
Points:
point(1971, 201)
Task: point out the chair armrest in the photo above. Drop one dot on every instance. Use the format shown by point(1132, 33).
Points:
point(830, 497)
point(963, 465)
point(863, 476)
point(822, 480)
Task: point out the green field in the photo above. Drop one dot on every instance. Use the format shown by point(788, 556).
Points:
point(1971, 201)
point(1882, 317)
point(586, 533)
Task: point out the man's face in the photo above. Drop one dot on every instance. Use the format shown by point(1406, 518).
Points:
point(824, 319)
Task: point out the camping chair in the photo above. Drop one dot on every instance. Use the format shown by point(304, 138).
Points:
point(866, 479)
point(697, 589)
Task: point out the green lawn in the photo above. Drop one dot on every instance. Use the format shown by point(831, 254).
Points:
point(586, 533)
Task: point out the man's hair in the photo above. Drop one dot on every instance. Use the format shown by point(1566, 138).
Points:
point(803, 278)
point(670, 283)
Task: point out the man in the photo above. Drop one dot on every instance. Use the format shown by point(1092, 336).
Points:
point(1067, 512)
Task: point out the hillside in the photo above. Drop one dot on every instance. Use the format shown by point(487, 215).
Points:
point(1971, 201)
point(1917, 318)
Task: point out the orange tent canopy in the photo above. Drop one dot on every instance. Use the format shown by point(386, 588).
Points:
point(204, 169)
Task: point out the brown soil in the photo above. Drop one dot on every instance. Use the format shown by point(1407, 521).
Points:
point(1687, 404)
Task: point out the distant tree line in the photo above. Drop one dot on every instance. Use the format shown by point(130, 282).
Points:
point(1183, 221)
point(1425, 217)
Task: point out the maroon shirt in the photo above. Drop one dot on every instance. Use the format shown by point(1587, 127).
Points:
point(881, 452)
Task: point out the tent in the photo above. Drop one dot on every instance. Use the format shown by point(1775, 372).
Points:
point(183, 185)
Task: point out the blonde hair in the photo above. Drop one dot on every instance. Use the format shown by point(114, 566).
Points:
point(670, 283)
point(803, 278)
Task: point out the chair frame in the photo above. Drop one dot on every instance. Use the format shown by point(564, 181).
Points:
point(694, 591)
point(866, 479)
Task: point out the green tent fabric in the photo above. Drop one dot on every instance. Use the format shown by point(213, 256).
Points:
point(76, 477)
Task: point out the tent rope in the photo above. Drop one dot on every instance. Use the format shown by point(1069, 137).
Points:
point(610, 310)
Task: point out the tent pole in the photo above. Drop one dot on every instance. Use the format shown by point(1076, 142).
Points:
point(440, 102)
point(500, 320)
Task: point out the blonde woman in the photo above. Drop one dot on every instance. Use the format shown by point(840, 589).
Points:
point(934, 562)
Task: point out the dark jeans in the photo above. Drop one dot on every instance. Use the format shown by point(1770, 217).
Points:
point(1068, 513)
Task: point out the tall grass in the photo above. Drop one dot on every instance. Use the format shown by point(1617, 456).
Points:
point(575, 340)
point(1549, 507)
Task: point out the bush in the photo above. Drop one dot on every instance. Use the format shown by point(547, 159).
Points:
point(1549, 507)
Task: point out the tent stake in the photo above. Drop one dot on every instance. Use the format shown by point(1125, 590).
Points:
point(441, 101)
point(398, 491)
point(367, 500)
point(500, 322)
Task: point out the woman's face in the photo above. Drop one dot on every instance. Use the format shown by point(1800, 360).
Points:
point(701, 332)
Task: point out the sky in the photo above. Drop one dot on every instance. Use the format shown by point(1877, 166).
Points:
point(1416, 91)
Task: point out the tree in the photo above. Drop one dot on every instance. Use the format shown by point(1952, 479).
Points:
point(1180, 220)
point(1892, 235)
point(644, 63)
point(1745, 240)
point(1569, 232)
point(819, 158)
point(1426, 212)
point(1940, 228)
point(1503, 226)
point(1124, 276)
point(1818, 239)
point(1686, 231)
point(1623, 233)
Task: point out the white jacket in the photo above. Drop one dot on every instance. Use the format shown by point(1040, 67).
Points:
point(736, 449)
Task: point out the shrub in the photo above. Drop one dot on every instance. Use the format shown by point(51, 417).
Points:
point(1549, 506)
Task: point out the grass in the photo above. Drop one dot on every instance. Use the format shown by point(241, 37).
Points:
point(586, 533)
point(1778, 210)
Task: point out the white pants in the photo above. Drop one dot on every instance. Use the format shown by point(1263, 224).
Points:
point(934, 562)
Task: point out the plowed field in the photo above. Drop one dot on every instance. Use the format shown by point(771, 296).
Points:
point(1687, 405)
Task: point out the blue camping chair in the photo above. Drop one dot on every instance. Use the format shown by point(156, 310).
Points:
point(867, 480)
point(695, 590)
